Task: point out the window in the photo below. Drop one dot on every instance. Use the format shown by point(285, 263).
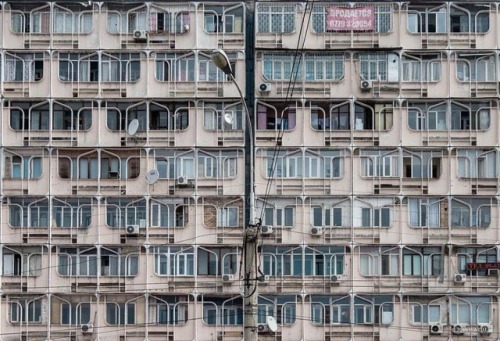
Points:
point(421, 68)
point(23, 67)
point(123, 212)
point(374, 66)
point(376, 217)
point(276, 116)
point(119, 115)
point(425, 313)
point(71, 213)
point(22, 261)
point(67, 21)
point(382, 24)
point(317, 261)
point(422, 164)
point(476, 255)
point(326, 216)
point(120, 313)
point(424, 212)
point(32, 213)
point(287, 164)
point(281, 67)
point(432, 118)
point(172, 116)
point(169, 213)
point(222, 164)
point(75, 313)
point(168, 310)
point(366, 309)
point(116, 67)
point(470, 116)
point(26, 310)
point(323, 67)
point(282, 308)
point(331, 116)
point(379, 163)
point(78, 67)
point(469, 18)
point(222, 19)
point(222, 117)
point(470, 212)
point(476, 69)
point(77, 261)
point(219, 311)
point(227, 217)
point(30, 20)
point(172, 21)
point(276, 18)
point(376, 261)
point(174, 164)
point(474, 163)
point(427, 20)
point(471, 310)
point(29, 116)
point(72, 116)
point(422, 261)
point(279, 216)
point(175, 67)
point(114, 262)
point(22, 167)
point(217, 261)
point(174, 261)
point(120, 67)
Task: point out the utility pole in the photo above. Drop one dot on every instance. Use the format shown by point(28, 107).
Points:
point(250, 332)
point(251, 230)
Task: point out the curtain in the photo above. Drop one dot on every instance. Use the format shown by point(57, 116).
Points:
point(433, 214)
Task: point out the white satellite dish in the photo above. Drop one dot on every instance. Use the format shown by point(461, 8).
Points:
point(133, 126)
point(228, 117)
point(271, 324)
point(152, 177)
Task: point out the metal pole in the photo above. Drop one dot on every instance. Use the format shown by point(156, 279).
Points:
point(250, 234)
point(250, 289)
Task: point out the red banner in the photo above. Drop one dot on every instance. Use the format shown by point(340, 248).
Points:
point(350, 19)
point(482, 266)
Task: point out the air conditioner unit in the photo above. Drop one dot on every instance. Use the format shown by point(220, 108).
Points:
point(263, 328)
point(485, 328)
point(436, 329)
point(366, 85)
point(182, 180)
point(316, 231)
point(264, 229)
point(87, 328)
point(458, 329)
point(140, 35)
point(227, 278)
point(265, 87)
point(335, 278)
point(459, 278)
point(133, 229)
point(264, 279)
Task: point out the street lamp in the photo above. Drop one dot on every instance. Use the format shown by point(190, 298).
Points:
point(250, 331)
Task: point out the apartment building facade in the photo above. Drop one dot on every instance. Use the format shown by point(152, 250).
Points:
point(125, 173)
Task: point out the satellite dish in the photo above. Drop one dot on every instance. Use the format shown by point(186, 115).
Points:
point(152, 177)
point(133, 126)
point(271, 324)
point(228, 117)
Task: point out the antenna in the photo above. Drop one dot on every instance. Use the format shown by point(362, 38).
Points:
point(133, 126)
point(152, 177)
point(228, 117)
point(271, 324)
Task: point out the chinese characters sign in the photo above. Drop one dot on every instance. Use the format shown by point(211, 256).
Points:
point(350, 19)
